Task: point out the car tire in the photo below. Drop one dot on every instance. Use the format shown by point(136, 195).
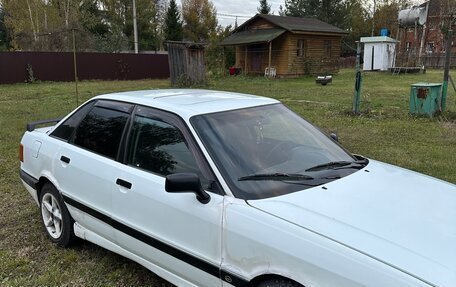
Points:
point(278, 282)
point(56, 219)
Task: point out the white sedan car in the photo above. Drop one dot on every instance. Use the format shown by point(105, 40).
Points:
point(208, 188)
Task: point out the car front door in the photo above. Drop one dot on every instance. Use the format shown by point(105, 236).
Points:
point(174, 232)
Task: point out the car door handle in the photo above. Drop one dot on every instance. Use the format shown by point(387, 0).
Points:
point(65, 159)
point(123, 183)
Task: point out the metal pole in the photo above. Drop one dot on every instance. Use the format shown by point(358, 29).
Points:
point(357, 94)
point(447, 69)
point(75, 69)
point(135, 28)
point(270, 56)
point(423, 36)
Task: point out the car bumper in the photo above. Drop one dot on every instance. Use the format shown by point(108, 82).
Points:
point(30, 183)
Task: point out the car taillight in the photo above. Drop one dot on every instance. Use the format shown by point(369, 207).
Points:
point(21, 153)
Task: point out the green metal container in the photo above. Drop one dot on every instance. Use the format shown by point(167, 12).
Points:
point(425, 98)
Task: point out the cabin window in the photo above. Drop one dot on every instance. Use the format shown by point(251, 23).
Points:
point(301, 48)
point(327, 48)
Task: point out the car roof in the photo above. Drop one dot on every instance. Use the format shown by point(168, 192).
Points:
point(190, 102)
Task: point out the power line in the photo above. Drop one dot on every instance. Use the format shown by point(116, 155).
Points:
point(234, 16)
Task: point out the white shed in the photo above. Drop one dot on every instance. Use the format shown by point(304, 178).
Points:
point(379, 53)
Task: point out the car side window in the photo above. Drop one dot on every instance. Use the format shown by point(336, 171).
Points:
point(66, 129)
point(159, 147)
point(102, 128)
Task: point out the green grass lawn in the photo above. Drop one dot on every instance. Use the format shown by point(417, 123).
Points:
point(384, 131)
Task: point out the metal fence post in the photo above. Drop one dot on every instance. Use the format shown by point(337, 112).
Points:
point(447, 69)
point(357, 95)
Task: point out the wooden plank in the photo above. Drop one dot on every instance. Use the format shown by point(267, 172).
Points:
point(261, 24)
point(186, 63)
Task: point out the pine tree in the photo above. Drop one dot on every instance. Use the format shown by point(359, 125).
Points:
point(173, 24)
point(282, 12)
point(331, 11)
point(302, 8)
point(264, 7)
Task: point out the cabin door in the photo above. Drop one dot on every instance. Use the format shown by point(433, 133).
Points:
point(256, 58)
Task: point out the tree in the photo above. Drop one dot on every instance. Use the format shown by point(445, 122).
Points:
point(102, 31)
point(103, 25)
point(147, 25)
point(119, 15)
point(161, 8)
point(217, 55)
point(4, 36)
point(46, 24)
point(383, 13)
point(92, 18)
point(26, 20)
point(282, 11)
point(173, 24)
point(334, 13)
point(355, 21)
point(264, 7)
point(330, 11)
point(200, 20)
point(302, 8)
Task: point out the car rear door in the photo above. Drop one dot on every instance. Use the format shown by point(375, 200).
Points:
point(172, 231)
point(86, 165)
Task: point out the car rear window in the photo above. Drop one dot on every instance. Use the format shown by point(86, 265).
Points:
point(101, 130)
point(66, 129)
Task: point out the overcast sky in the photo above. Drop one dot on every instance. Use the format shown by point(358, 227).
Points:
point(248, 8)
point(244, 8)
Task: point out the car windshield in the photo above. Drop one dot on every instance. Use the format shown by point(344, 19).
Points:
point(269, 151)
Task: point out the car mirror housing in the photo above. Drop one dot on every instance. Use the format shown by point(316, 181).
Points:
point(334, 136)
point(186, 182)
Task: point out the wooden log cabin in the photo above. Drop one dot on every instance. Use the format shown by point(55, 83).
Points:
point(291, 46)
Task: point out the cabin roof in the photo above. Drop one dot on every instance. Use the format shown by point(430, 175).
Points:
point(298, 24)
point(253, 36)
point(243, 35)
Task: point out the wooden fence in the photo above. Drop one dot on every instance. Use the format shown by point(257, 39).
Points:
point(432, 61)
point(429, 60)
point(16, 67)
point(347, 62)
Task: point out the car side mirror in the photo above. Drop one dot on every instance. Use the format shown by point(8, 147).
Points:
point(334, 136)
point(186, 182)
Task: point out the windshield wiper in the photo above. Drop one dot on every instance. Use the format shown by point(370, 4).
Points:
point(358, 164)
point(276, 176)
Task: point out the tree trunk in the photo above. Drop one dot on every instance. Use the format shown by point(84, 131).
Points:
point(35, 37)
point(66, 9)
